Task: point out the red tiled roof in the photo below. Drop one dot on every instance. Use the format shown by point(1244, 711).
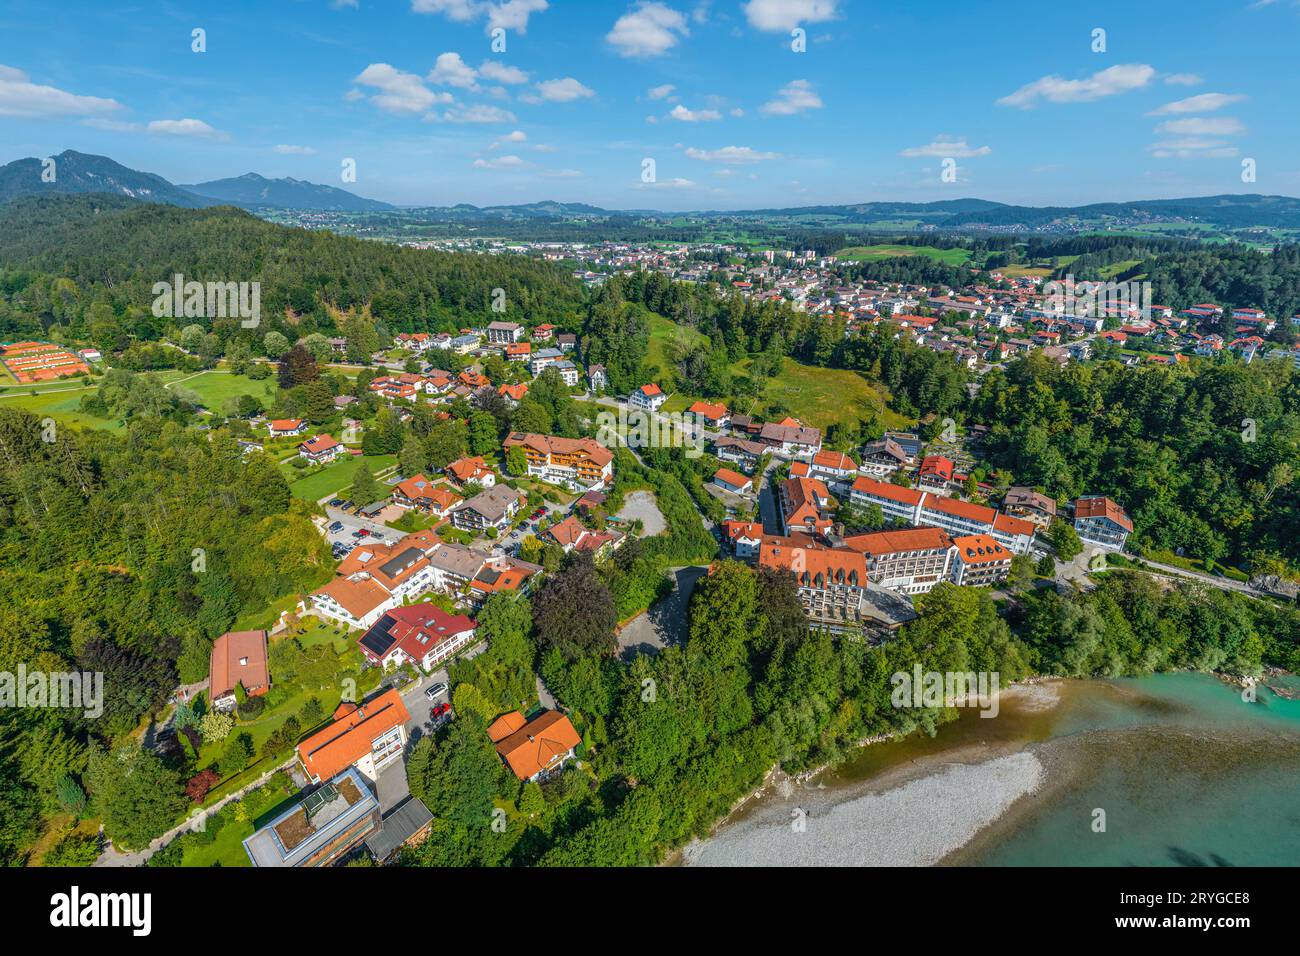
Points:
point(1102, 507)
point(225, 667)
point(333, 749)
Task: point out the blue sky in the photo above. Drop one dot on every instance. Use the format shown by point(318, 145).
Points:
point(710, 90)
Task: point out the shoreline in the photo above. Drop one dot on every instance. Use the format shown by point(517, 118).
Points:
point(918, 813)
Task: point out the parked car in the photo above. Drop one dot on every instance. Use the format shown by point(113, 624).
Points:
point(345, 504)
point(435, 690)
point(440, 710)
point(362, 533)
point(334, 503)
point(337, 526)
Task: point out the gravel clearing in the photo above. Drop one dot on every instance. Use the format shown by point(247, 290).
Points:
point(641, 504)
point(915, 824)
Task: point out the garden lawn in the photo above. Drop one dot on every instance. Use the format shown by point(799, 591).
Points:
point(214, 387)
point(334, 477)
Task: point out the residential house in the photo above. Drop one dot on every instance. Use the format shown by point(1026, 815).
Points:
point(421, 494)
point(504, 333)
point(597, 379)
point(465, 471)
point(536, 748)
point(1099, 520)
point(731, 481)
point(713, 415)
point(419, 634)
point(739, 451)
point(321, 449)
point(572, 535)
point(804, 505)
point(647, 398)
point(238, 659)
point(284, 427)
point(493, 507)
point(1022, 502)
point(935, 474)
point(369, 737)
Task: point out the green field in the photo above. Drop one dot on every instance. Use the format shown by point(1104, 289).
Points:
point(63, 405)
point(662, 333)
point(214, 387)
point(953, 257)
point(333, 478)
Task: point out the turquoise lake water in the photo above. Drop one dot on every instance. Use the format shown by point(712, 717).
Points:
point(1188, 774)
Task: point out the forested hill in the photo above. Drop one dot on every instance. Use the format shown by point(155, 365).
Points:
point(114, 250)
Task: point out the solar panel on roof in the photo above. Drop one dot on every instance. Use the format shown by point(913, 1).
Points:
point(318, 799)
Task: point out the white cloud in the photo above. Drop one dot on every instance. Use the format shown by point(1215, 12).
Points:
point(186, 127)
point(565, 90)
point(795, 97)
point(21, 97)
point(1107, 82)
point(399, 91)
point(510, 14)
point(1203, 126)
point(737, 112)
point(730, 155)
point(494, 70)
point(675, 183)
point(1204, 103)
point(462, 11)
point(660, 92)
point(1183, 79)
point(290, 150)
point(513, 14)
point(561, 173)
point(544, 148)
point(947, 147)
point(450, 70)
point(693, 116)
point(1193, 148)
point(648, 29)
point(782, 16)
point(516, 136)
point(479, 114)
point(500, 162)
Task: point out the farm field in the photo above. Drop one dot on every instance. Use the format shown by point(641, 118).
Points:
point(953, 257)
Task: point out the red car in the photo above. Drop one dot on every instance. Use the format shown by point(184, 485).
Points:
point(364, 532)
point(440, 710)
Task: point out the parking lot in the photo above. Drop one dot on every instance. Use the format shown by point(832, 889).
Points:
point(349, 524)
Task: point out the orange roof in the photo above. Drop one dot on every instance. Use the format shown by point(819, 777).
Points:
point(882, 489)
point(286, 424)
point(538, 744)
point(1013, 525)
point(505, 725)
point(742, 529)
point(467, 469)
point(1102, 507)
point(904, 539)
point(834, 459)
point(238, 657)
point(651, 389)
point(319, 443)
point(980, 549)
point(333, 749)
point(732, 478)
point(832, 564)
point(517, 392)
point(962, 509)
point(358, 596)
point(566, 532)
point(554, 445)
point(709, 410)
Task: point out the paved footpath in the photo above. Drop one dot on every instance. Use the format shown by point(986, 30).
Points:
point(115, 857)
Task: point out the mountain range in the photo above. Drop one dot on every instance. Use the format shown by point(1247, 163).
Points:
point(74, 172)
